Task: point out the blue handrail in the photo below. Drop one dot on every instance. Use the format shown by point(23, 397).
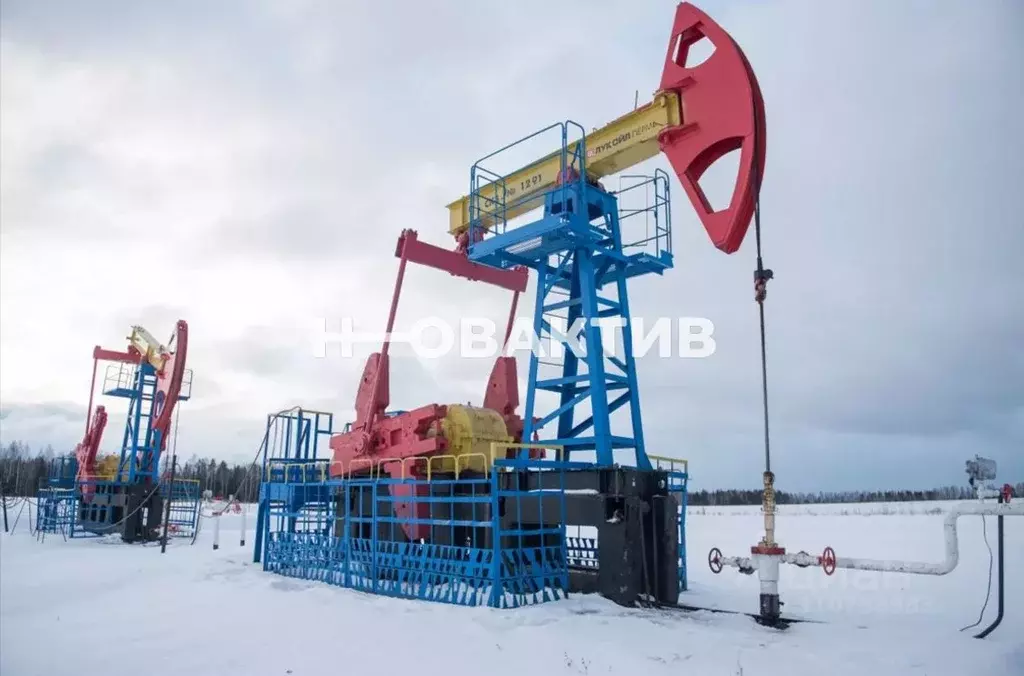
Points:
point(489, 212)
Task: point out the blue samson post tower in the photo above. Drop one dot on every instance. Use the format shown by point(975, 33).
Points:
point(625, 515)
point(576, 248)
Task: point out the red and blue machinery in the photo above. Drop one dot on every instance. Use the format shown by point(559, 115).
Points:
point(582, 262)
point(290, 453)
point(122, 494)
point(378, 442)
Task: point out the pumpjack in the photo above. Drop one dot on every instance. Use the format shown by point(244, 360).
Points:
point(121, 494)
point(582, 264)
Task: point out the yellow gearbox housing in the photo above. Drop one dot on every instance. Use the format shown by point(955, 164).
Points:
point(470, 432)
point(106, 467)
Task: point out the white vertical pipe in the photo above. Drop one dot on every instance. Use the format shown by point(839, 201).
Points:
point(768, 573)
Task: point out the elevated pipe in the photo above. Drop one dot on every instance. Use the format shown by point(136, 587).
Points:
point(748, 565)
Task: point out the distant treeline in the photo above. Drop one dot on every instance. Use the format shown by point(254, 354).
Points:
point(22, 472)
point(703, 498)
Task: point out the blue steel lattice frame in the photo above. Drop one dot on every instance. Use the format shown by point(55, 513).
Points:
point(63, 472)
point(582, 267)
point(527, 573)
point(678, 485)
point(140, 444)
point(137, 383)
point(290, 452)
point(57, 498)
point(183, 504)
point(56, 510)
point(344, 532)
point(295, 434)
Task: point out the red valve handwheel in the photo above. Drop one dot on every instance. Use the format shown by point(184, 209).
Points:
point(828, 561)
point(715, 560)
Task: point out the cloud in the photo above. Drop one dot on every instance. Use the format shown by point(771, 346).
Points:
point(248, 167)
point(56, 424)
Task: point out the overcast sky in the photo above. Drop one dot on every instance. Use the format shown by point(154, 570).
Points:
point(247, 166)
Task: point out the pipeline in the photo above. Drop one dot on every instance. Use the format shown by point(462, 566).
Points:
point(830, 562)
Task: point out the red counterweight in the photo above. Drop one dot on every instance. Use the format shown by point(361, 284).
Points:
point(503, 396)
point(380, 443)
point(85, 453)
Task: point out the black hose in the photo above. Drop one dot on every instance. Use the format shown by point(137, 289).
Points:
point(988, 585)
point(1000, 575)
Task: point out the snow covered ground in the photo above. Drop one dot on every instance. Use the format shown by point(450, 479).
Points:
point(95, 607)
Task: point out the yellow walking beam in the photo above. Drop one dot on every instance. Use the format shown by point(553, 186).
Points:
point(619, 145)
point(152, 350)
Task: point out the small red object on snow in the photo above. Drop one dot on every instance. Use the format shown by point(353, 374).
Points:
point(1007, 492)
point(828, 560)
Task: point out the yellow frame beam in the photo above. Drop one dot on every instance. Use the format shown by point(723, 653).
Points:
point(619, 145)
point(150, 348)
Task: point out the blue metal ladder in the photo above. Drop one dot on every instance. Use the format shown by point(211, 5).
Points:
point(140, 444)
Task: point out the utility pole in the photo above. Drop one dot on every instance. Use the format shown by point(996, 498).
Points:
point(3, 499)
